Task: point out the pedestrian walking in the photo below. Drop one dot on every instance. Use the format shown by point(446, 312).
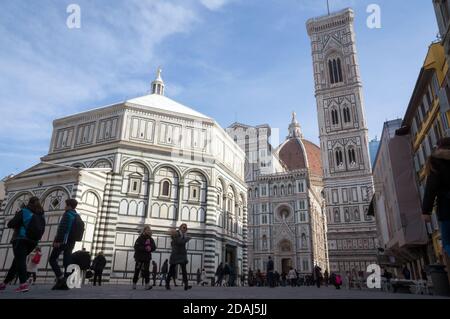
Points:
point(226, 274)
point(270, 273)
point(318, 275)
point(199, 276)
point(437, 189)
point(406, 273)
point(219, 274)
point(70, 230)
point(251, 281)
point(292, 277)
point(326, 277)
point(164, 270)
point(143, 248)
point(33, 261)
point(154, 272)
point(29, 226)
point(98, 265)
point(179, 254)
point(204, 280)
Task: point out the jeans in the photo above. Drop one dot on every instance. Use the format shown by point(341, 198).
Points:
point(445, 235)
point(172, 273)
point(163, 277)
point(144, 267)
point(98, 277)
point(21, 249)
point(66, 249)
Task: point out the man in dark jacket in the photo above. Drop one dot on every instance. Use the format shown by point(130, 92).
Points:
point(179, 255)
point(219, 274)
point(63, 243)
point(438, 188)
point(270, 274)
point(98, 265)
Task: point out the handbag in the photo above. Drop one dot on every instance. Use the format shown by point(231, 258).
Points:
point(89, 274)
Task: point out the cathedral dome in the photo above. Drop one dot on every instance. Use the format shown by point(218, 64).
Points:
point(299, 153)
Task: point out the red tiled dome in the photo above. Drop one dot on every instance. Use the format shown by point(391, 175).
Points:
point(292, 153)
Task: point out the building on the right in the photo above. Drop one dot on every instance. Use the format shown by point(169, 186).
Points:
point(402, 235)
point(442, 9)
point(343, 133)
point(427, 124)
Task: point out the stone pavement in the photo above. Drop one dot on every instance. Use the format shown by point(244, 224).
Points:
point(112, 291)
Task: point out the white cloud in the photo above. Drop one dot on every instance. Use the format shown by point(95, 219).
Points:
point(214, 5)
point(49, 71)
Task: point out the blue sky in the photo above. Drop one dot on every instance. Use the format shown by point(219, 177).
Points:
point(244, 60)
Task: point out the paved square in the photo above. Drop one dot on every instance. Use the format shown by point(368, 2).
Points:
point(125, 292)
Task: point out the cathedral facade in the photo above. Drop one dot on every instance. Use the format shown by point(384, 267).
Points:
point(344, 142)
point(148, 160)
point(286, 219)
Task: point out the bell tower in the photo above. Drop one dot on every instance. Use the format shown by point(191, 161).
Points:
point(344, 141)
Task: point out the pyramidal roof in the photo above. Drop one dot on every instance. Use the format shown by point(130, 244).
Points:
point(160, 102)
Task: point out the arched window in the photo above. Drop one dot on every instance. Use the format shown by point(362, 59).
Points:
point(275, 190)
point(282, 190)
point(347, 115)
point(289, 189)
point(334, 117)
point(335, 70)
point(339, 157)
point(165, 189)
point(330, 68)
point(351, 156)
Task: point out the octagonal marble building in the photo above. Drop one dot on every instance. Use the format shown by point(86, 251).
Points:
point(148, 160)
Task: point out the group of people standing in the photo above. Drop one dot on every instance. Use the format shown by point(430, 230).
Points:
point(145, 245)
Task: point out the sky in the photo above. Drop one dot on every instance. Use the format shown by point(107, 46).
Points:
point(233, 60)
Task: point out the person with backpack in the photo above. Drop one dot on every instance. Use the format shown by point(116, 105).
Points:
point(164, 270)
point(179, 254)
point(32, 265)
point(70, 230)
point(98, 265)
point(143, 248)
point(29, 226)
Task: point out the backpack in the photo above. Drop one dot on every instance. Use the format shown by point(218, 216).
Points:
point(77, 230)
point(36, 259)
point(35, 228)
point(338, 280)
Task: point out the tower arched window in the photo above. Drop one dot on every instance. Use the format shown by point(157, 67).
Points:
point(347, 115)
point(334, 117)
point(275, 191)
point(339, 157)
point(335, 70)
point(351, 155)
